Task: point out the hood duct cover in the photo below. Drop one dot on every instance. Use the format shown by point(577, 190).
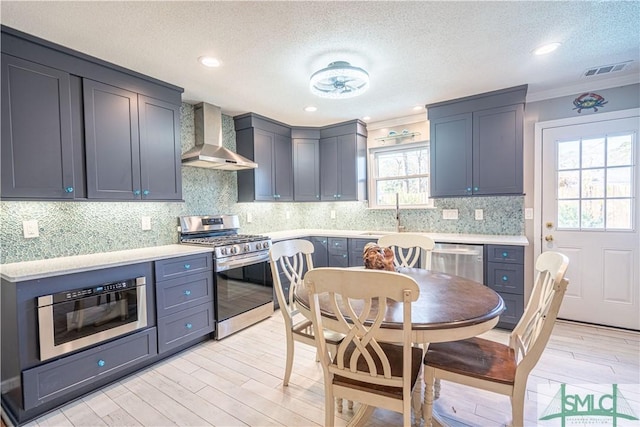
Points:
point(209, 152)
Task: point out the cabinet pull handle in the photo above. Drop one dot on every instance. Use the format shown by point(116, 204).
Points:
point(136, 192)
point(146, 192)
point(68, 190)
point(187, 292)
point(187, 266)
point(101, 363)
point(188, 326)
point(505, 278)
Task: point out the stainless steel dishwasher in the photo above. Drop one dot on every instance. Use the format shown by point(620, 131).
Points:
point(459, 260)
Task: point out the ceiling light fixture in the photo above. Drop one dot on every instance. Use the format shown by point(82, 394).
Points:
point(366, 118)
point(417, 107)
point(209, 61)
point(339, 80)
point(310, 109)
point(547, 48)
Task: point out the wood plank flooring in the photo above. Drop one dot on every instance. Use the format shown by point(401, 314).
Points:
point(238, 382)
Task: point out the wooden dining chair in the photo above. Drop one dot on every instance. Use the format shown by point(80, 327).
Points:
point(365, 369)
point(496, 367)
point(292, 258)
point(407, 248)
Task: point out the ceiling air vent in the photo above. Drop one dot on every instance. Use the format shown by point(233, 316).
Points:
point(604, 69)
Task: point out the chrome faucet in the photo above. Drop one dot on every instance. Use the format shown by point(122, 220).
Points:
point(399, 227)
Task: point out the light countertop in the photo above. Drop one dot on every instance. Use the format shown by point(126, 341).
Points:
point(30, 270)
point(478, 239)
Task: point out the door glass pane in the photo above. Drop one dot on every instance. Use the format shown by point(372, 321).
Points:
point(619, 214)
point(568, 214)
point(568, 187)
point(592, 183)
point(619, 182)
point(592, 214)
point(592, 152)
point(568, 155)
point(619, 151)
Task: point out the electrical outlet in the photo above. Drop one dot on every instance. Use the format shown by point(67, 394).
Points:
point(287, 215)
point(249, 217)
point(449, 213)
point(528, 213)
point(145, 222)
point(30, 229)
point(333, 214)
point(479, 214)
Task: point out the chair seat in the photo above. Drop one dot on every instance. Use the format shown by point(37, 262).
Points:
point(305, 329)
point(394, 353)
point(475, 357)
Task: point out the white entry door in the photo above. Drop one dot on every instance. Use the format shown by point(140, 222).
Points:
point(590, 212)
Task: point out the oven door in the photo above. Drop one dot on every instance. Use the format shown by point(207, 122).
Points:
point(242, 284)
point(78, 322)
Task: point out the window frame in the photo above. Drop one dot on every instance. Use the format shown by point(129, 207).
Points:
point(373, 179)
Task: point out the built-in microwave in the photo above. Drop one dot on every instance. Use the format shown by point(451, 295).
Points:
point(79, 318)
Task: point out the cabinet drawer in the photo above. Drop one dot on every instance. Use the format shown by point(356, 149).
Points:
point(184, 292)
point(52, 380)
point(504, 277)
point(337, 245)
point(184, 326)
point(173, 267)
point(514, 307)
point(500, 253)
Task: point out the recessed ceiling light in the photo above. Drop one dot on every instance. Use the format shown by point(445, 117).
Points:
point(417, 107)
point(366, 118)
point(310, 109)
point(209, 61)
point(547, 48)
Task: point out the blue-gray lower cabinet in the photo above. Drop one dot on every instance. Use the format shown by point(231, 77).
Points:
point(338, 252)
point(356, 247)
point(184, 298)
point(505, 275)
point(63, 376)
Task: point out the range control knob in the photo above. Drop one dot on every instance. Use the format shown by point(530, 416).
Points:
point(223, 251)
point(234, 250)
point(258, 245)
point(247, 248)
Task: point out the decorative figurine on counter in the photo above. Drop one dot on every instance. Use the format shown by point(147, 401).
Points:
point(376, 257)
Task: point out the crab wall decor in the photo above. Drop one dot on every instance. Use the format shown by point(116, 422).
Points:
point(588, 100)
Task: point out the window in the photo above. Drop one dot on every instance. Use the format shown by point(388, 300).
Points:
point(595, 183)
point(403, 170)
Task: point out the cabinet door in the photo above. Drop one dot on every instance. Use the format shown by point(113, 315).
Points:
point(306, 169)
point(37, 145)
point(160, 164)
point(347, 171)
point(497, 150)
point(263, 151)
point(283, 168)
point(451, 156)
point(320, 251)
point(112, 142)
point(329, 168)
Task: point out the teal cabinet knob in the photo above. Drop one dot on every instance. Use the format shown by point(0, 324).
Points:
point(101, 363)
point(505, 278)
point(475, 188)
point(505, 254)
point(344, 255)
point(146, 192)
point(187, 266)
point(136, 192)
point(187, 292)
point(188, 326)
point(468, 189)
point(339, 195)
point(68, 190)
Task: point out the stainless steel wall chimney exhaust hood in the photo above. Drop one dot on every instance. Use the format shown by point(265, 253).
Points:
point(209, 152)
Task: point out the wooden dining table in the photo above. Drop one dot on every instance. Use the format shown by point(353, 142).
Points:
point(449, 308)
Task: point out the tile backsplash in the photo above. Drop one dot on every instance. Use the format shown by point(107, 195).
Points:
point(82, 227)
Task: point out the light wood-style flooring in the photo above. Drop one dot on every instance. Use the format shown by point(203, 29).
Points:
point(238, 382)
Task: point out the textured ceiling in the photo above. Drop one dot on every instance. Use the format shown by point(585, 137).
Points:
point(415, 52)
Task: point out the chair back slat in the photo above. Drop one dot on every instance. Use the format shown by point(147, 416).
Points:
point(407, 248)
point(293, 259)
point(359, 300)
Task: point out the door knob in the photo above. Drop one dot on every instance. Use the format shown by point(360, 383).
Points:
point(549, 224)
point(548, 238)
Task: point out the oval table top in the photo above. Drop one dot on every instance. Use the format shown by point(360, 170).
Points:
point(447, 305)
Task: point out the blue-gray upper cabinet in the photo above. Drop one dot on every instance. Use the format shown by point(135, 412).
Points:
point(306, 164)
point(132, 143)
point(37, 144)
point(476, 144)
point(268, 143)
point(343, 161)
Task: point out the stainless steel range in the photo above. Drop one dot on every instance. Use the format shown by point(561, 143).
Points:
point(243, 285)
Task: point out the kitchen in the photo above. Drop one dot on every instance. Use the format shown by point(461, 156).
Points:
point(75, 228)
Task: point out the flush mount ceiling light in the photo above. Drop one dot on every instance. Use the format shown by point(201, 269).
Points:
point(209, 61)
point(547, 48)
point(339, 80)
